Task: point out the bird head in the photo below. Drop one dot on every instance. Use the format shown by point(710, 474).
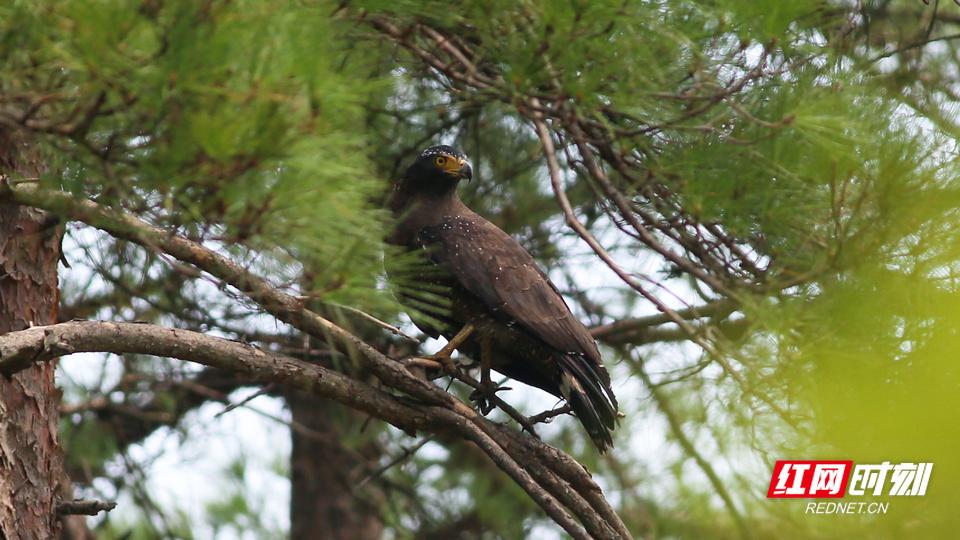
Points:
point(441, 166)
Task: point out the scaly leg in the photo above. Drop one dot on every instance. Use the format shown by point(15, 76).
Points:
point(488, 389)
point(442, 357)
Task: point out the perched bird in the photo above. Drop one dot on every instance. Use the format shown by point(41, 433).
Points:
point(500, 309)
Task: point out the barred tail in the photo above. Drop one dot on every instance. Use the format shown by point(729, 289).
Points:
point(589, 395)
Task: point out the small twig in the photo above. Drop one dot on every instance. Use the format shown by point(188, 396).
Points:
point(84, 507)
point(546, 416)
point(676, 426)
point(400, 458)
point(385, 325)
point(912, 46)
point(231, 406)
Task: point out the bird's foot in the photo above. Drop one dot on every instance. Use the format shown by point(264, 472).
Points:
point(484, 396)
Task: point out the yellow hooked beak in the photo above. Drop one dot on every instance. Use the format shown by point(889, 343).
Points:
point(457, 167)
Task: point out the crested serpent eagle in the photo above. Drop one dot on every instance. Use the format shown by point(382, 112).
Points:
point(500, 309)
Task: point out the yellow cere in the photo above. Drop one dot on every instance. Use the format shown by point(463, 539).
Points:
point(448, 163)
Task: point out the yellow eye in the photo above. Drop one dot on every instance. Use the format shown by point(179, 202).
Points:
point(440, 161)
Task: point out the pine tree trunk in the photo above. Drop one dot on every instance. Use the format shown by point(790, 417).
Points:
point(325, 503)
point(31, 461)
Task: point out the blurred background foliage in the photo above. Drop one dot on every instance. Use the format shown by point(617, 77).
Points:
point(801, 154)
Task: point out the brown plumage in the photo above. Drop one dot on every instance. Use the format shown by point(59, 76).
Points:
point(523, 327)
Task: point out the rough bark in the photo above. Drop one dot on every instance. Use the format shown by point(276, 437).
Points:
point(324, 472)
point(31, 460)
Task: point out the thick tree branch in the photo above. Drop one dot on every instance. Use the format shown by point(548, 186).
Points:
point(19, 350)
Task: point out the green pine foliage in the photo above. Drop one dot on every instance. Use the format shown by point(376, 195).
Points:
point(238, 122)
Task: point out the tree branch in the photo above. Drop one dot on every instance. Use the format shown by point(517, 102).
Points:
point(554, 482)
point(85, 507)
point(19, 350)
point(616, 331)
